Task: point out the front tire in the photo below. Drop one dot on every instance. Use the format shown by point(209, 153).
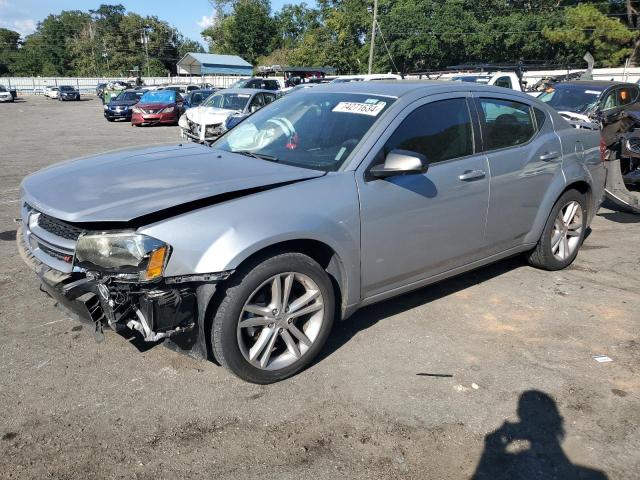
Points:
point(563, 233)
point(274, 318)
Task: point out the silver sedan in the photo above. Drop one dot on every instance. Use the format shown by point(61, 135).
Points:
point(316, 205)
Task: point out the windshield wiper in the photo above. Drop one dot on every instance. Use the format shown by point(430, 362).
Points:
point(260, 156)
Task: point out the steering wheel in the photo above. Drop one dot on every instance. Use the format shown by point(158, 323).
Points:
point(287, 128)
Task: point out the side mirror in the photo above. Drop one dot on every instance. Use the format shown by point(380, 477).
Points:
point(400, 162)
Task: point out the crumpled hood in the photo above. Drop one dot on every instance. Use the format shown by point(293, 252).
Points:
point(124, 185)
point(209, 115)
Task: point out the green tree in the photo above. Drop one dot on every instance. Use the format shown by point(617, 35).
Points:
point(584, 29)
point(247, 31)
point(9, 42)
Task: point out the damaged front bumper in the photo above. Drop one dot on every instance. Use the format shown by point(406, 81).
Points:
point(173, 308)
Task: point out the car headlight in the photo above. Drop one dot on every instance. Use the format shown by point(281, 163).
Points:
point(129, 256)
point(168, 110)
point(106, 107)
point(136, 110)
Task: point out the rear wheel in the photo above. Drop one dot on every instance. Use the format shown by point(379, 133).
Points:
point(274, 318)
point(563, 233)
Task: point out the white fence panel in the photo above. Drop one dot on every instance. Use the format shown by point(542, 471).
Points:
point(36, 85)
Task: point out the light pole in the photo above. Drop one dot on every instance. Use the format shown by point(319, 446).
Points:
point(373, 34)
point(145, 40)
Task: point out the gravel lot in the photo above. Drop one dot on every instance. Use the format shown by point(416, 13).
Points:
point(408, 388)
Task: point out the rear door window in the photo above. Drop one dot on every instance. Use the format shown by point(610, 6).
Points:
point(505, 123)
point(439, 130)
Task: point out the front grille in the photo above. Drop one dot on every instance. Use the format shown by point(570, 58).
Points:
point(59, 228)
point(149, 111)
point(50, 240)
point(63, 257)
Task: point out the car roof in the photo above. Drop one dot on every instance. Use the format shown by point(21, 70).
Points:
point(594, 83)
point(244, 90)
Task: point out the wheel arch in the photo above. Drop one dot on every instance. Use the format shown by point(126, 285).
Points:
point(321, 252)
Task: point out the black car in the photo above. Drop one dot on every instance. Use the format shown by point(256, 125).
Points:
point(257, 82)
point(120, 107)
point(67, 92)
point(196, 97)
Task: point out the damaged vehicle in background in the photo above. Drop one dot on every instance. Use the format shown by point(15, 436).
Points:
point(6, 95)
point(222, 111)
point(613, 108)
point(246, 252)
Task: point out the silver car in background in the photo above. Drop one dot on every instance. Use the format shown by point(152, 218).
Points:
point(316, 205)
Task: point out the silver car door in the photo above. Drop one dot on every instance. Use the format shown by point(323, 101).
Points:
point(524, 155)
point(417, 226)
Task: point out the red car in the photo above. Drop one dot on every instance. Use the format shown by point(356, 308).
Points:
point(157, 107)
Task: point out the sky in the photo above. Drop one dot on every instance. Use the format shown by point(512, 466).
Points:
point(188, 16)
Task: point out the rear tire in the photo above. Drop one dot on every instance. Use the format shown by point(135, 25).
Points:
point(264, 334)
point(563, 233)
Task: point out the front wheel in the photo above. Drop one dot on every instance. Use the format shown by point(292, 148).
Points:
point(563, 233)
point(274, 318)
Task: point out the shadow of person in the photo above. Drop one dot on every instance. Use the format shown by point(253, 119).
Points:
point(530, 449)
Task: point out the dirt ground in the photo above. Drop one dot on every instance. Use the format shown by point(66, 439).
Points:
point(490, 373)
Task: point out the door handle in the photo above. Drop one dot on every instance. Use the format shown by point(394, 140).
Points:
point(471, 175)
point(549, 156)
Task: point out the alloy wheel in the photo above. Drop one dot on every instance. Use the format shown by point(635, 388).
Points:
point(280, 321)
point(567, 231)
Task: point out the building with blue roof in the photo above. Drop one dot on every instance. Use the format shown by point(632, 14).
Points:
point(196, 64)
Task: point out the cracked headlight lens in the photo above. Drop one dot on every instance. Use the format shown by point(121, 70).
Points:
point(128, 256)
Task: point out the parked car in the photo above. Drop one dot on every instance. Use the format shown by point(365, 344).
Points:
point(206, 122)
point(157, 107)
point(325, 201)
point(613, 109)
point(121, 106)
point(67, 92)
point(258, 83)
point(5, 94)
point(51, 92)
point(196, 97)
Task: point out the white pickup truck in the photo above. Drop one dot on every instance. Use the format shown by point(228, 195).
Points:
point(508, 80)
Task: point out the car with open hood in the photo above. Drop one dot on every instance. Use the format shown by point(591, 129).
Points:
point(121, 107)
point(157, 107)
point(613, 109)
point(323, 202)
point(220, 111)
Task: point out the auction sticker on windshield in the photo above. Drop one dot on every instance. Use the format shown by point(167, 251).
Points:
point(360, 108)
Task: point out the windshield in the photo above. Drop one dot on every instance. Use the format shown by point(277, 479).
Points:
point(160, 96)
point(66, 88)
point(316, 130)
point(228, 101)
point(2, 88)
point(572, 98)
point(129, 96)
